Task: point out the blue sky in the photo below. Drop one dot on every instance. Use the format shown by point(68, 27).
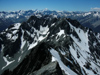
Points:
point(68, 5)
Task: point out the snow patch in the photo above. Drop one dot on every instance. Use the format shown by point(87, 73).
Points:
point(15, 31)
point(52, 24)
point(8, 35)
point(83, 44)
point(15, 37)
point(10, 16)
point(86, 14)
point(53, 59)
point(41, 38)
point(97, 14)
point(61, 32)
point(44, 30)
point(16, 26)
point(19, 58)
point(32, 45)
point(56, 57)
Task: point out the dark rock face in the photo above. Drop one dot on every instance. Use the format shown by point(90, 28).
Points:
point(49, 46)
point(13, 47)
point(38, 57)
point(50, 69)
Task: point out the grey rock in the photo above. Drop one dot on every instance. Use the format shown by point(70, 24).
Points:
point(49, 69)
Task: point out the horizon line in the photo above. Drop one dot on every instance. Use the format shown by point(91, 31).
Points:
point(47, 10)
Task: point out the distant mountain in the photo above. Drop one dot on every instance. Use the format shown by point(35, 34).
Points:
point(89, 19)
point(9, 18)
point(47, 45)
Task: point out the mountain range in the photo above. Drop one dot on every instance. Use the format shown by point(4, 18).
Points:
point(49, 45)
point(89, 19)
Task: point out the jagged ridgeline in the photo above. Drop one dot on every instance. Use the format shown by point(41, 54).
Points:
point(47, 45)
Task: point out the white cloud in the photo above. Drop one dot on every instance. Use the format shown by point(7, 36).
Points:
point(95, 9)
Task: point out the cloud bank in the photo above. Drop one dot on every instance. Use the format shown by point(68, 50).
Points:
point(95, 9)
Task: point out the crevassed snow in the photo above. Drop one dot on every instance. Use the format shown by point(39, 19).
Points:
point(56, 57)
point(8, 62)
